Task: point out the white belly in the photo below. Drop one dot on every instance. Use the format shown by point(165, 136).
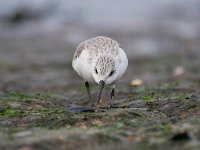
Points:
point(123, 64)
point(83, 68)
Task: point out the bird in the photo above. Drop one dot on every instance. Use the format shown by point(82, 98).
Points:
point(100, 60)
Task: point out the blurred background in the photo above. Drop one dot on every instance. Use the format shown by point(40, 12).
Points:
point(38, 39)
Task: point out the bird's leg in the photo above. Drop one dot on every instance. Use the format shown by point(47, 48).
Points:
point(112, 96)
point(88, 91)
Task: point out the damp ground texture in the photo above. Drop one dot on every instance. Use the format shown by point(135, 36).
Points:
point(162, 112)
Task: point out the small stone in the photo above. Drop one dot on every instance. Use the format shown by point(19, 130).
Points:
point(136, 82)
point(179, 70)
point(97, 123)
point(101, 101)
point(130, 138)
point(81, 125)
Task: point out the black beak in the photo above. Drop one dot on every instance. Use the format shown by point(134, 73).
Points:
point(101, 86)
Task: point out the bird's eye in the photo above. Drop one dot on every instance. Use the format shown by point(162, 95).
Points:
point(111, 73)
point(96, 71)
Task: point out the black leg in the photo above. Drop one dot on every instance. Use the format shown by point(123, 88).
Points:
point(112, 95)
point(88, 91)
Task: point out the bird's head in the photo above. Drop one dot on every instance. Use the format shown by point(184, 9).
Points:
point(105, 69)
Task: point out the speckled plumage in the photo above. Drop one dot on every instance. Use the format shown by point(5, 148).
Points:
point(100, 60)
point(97, 45)
point(102, 53)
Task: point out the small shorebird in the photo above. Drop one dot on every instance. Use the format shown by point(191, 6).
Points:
point(100, 60)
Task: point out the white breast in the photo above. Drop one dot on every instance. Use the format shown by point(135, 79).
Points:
point(123, 63)
point(83, 68)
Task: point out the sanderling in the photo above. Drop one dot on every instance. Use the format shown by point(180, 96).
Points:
point(100, 60)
